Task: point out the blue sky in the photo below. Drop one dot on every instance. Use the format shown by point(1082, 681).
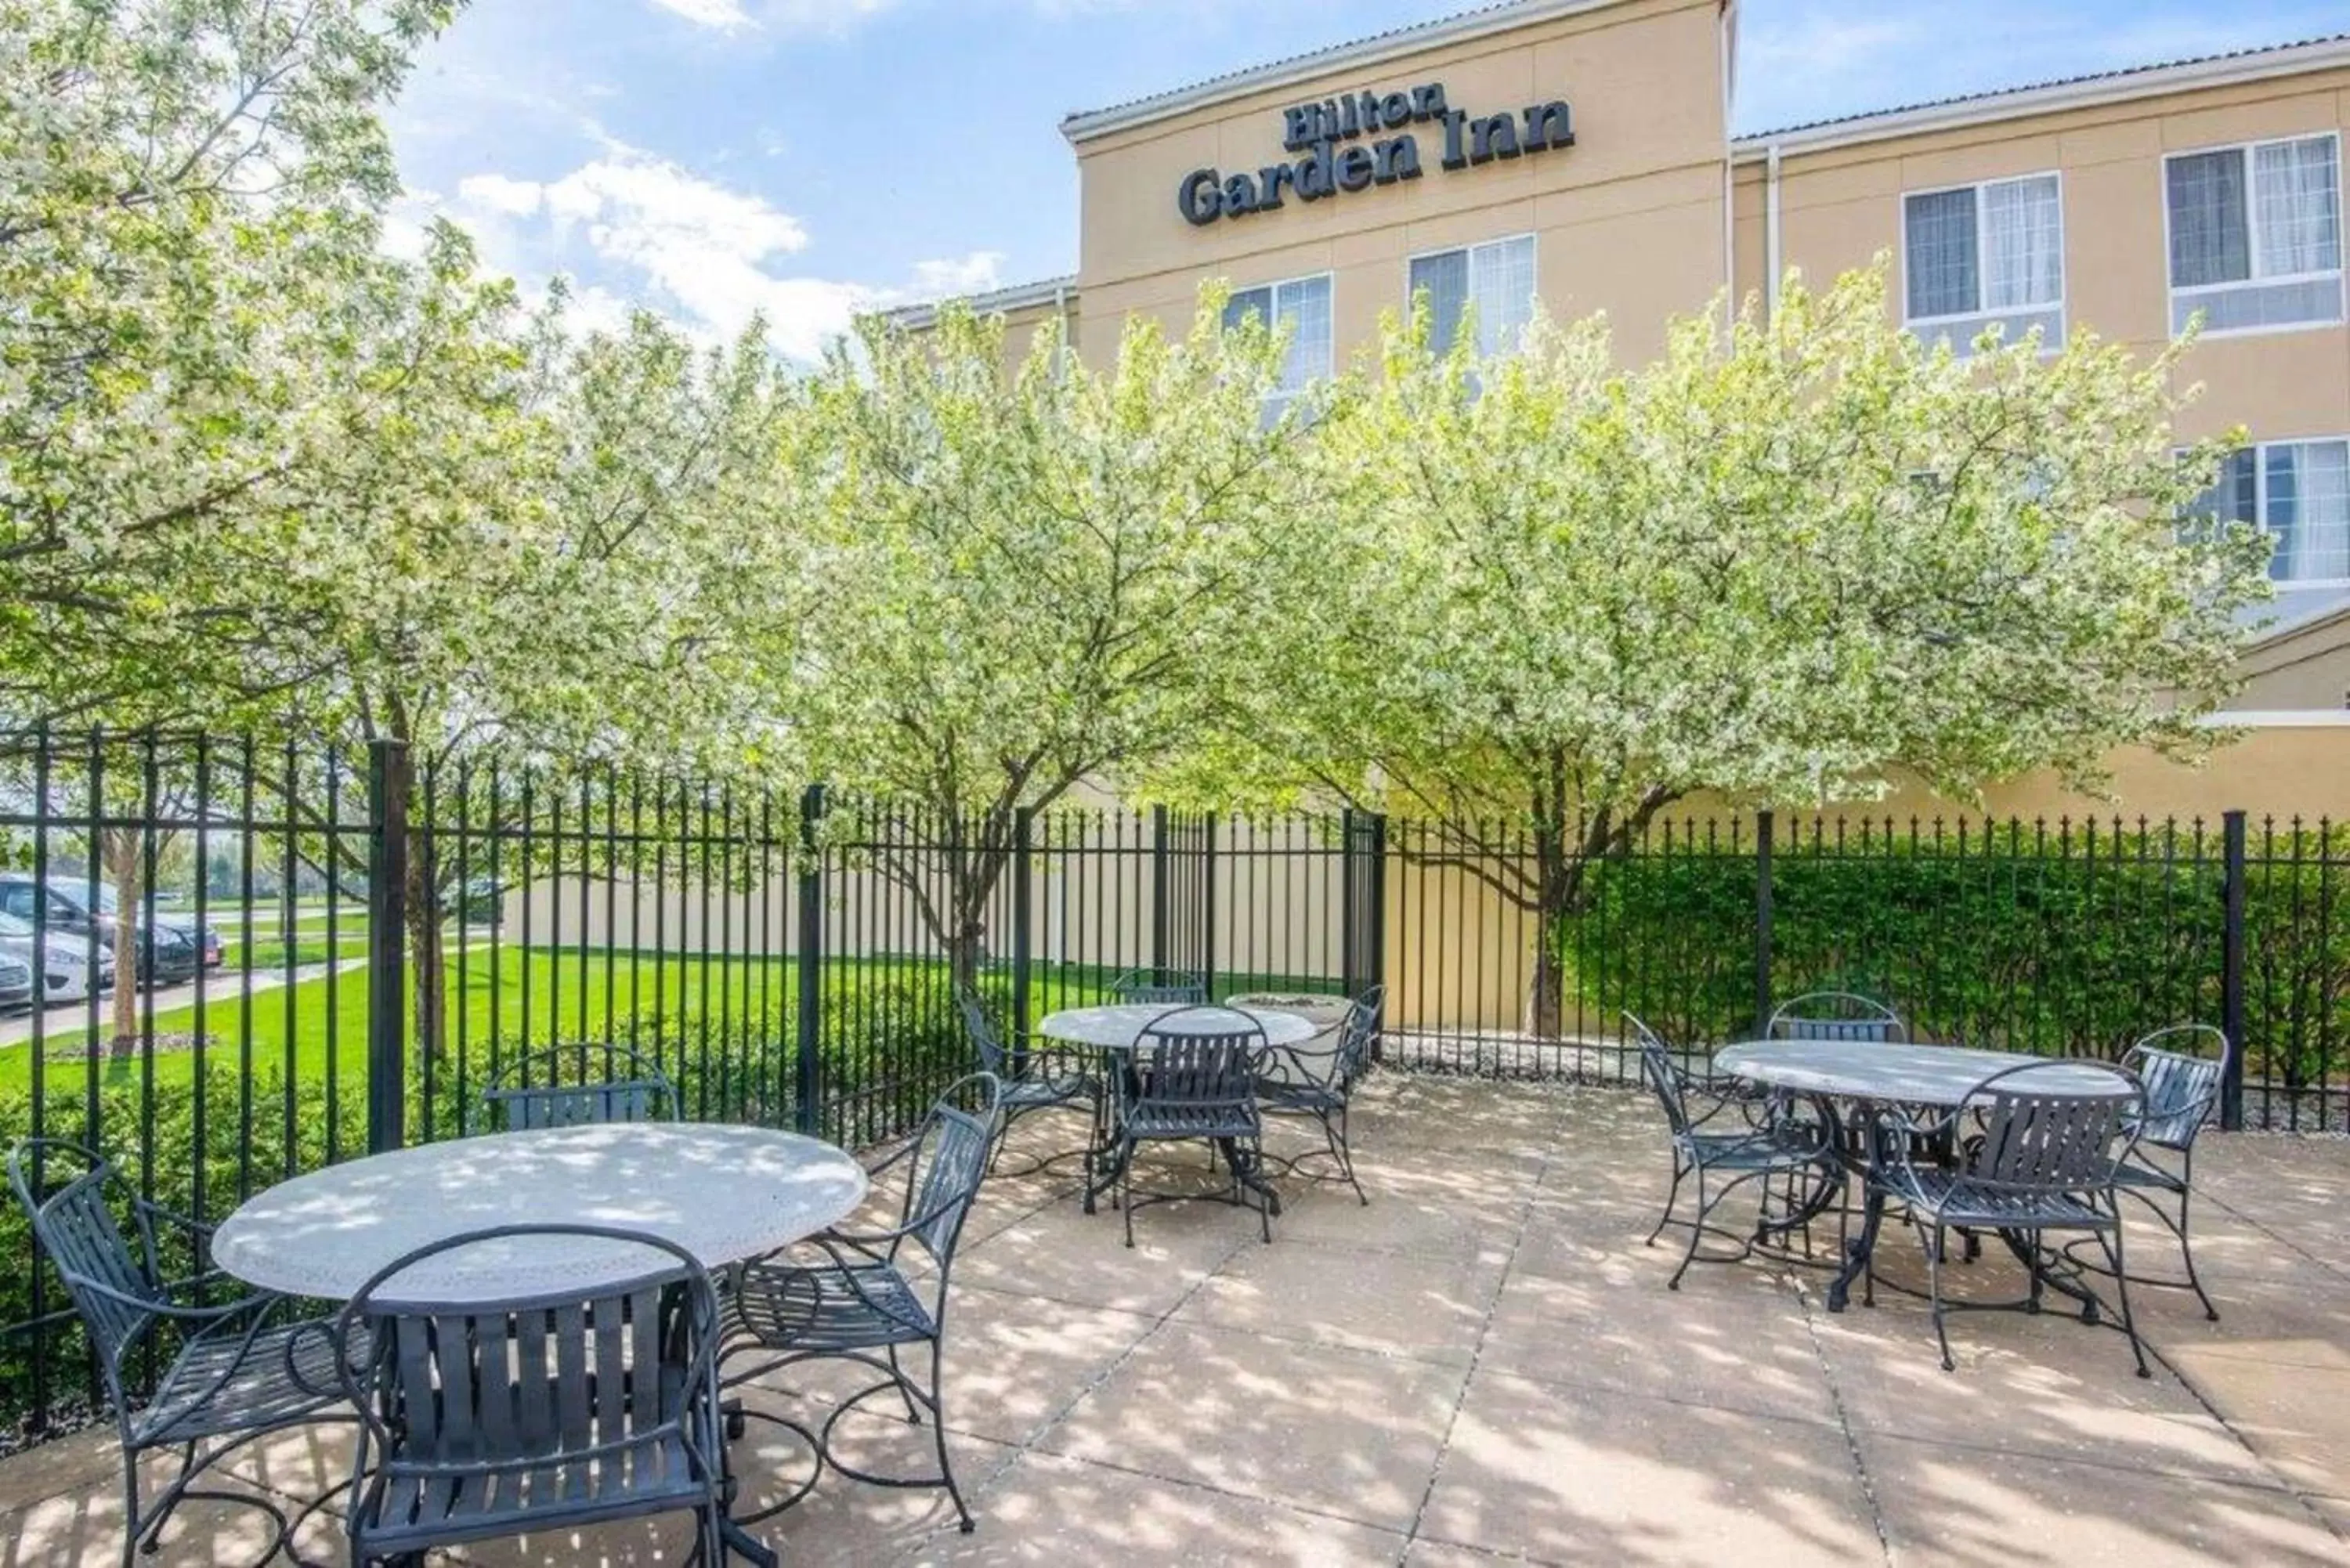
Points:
point(812, 158)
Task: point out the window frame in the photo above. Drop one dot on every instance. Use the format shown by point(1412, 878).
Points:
point(1923, 327)
point(1533, 242)
point(1271, 288)
point(2259, 452)
point(2173, 293)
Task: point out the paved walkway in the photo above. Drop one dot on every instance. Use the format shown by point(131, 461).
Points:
point(1485, 1365)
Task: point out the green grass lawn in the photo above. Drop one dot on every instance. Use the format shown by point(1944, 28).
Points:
point(543, 997)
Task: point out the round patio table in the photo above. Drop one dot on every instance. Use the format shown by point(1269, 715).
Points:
point(1860, 1074)
point(722, 1193)
point(1120, 1027)
point(1116, 1031)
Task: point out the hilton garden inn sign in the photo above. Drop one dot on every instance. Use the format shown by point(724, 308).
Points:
point(1368, 139)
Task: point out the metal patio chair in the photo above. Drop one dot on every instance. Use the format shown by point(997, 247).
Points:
point(1034, 1079)
point(529, 1092)
point(1317, 1081)
point(1721, 1133)
point(1188, 1086)
point(2038, 1158)
point(549, 1411)
point(1167, 987)
point(2182, 1093)
point(1837, 1015)
point(847, 1297)
point(245, 1368)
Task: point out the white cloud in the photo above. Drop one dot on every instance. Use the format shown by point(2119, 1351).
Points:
point(726, 16)
point(498, 193)
point(974, 274)
point(641, 229)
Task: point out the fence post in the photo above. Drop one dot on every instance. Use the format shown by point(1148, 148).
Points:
point(387, 1092)
point(1350, 910)
point(1763, 827)
point(2231, 969)
point(1161, 895)
point(806, 1075)
point(1024, 829)
point(1207, 911)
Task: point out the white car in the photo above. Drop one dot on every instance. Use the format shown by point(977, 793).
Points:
point(64, 967)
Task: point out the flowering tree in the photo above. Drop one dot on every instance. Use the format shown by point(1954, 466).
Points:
point(1795, 563)
point(188, 186)
point(1016, 583)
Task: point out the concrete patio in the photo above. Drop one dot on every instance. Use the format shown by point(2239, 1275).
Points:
point(1485, 1365)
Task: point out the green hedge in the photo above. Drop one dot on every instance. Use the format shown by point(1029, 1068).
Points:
point(2070, 945)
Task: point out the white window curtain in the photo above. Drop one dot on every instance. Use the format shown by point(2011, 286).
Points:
point(2294, 184)
point(1497, 279)
point(2023, 244)
point(1940, 254)
point(1303, 307)
point(1502, 283)
point(1445, 276)
point(2308, 510)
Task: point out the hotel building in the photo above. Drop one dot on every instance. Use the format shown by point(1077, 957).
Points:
point(1579, 153)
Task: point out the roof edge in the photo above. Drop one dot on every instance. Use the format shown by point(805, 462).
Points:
point(1085, 125)
point(2014, 103)
point(994, 302)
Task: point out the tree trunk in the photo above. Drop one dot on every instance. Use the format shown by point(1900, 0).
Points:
point(121, 848)
point(1553, 890)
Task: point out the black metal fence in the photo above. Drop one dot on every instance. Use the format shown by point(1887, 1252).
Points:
point(328, 956)
point(2062, 938)
point(339, 955)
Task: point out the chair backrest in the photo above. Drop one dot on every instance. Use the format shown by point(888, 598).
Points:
point(113, 1282)
point(532, 1090)
point(2182, 1084)
point(1837, 1015)
point(2043, 1131)
point(526, 1393)
point(1360, 1033)
point(1217, 1066)
point(992, 1057)
point(1164, 987)
point(1664, 1075)
point(950, 1162)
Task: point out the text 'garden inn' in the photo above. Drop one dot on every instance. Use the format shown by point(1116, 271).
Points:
point(1328, 168)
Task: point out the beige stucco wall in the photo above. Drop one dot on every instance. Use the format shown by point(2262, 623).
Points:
point(1840, 207)
point(1629, 220)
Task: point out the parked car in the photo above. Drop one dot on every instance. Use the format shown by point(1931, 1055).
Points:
point(174, 952)
point(16, 984)
point(63, 964)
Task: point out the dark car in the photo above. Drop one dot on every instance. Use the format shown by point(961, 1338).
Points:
point(173, 951)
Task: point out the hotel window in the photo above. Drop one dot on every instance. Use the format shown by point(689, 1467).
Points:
point(2256, 235)
point(1979, 255)
point(2300, 492)
point(1301, 307)
point(1497, 279)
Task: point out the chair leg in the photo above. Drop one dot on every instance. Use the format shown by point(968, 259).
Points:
point(1697, 1234)
point(2187, 1250)
point(939, 1431)
point(2114, 1255)
point(1126, 1191)
point(1933, 1244)
point(905, 1390)
point(1671, 1197)
point(1264, 1194)
point(131, 1532)
point(1343, 1147)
